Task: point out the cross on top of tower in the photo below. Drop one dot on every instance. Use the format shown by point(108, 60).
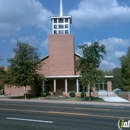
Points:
point(61, 24)
point(61, 9)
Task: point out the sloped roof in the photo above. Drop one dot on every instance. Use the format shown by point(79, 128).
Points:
point(48, 56)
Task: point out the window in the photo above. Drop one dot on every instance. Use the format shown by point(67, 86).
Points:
point(60, 20)
point(55, 20)
point(61, 32)
point(55, 26)
point(66, 20)
point(55, 31)
point(66, 26)
point(61, 26)
point(66, 31)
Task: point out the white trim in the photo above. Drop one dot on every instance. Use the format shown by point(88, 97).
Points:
point(52, 17)
point(78, 54)
point(71, 76)
point(108, 76)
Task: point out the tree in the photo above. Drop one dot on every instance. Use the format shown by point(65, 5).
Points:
point(125, 70)
point(117, 81)
point(88, 64)
point(2, 75)
point(24, 67)
point(108, 73)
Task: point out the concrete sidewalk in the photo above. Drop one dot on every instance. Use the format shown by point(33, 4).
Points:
point(66, 102)
point(113, 99)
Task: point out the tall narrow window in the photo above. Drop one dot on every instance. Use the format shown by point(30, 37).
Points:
point(66, 31)
point(61, 26)
point(55, 26)
point(55, 20)
point(61, 31)
point(60, 20)
point(55, 31)
point(66, 20)
point(66, 25)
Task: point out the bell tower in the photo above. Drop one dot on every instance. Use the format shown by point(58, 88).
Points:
point(61, 24)
point(61, 46)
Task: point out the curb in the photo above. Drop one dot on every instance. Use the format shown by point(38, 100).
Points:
point(67, 102)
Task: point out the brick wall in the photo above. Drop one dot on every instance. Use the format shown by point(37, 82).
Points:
point(61, 55)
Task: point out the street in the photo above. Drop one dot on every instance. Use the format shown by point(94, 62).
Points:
point(16, 115)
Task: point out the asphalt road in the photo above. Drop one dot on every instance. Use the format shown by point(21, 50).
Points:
point(53, 116)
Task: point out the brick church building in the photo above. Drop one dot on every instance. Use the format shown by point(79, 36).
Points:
point(59, 65)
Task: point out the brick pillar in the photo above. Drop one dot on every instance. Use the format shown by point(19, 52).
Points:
point(109, 85)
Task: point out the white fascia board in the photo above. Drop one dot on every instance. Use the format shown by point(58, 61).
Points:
point(71, 76)
point(108, 76)
point(52, 17)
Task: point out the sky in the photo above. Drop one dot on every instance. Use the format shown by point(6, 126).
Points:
point(105, 21)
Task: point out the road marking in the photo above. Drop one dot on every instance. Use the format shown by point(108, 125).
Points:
point(93, 109)
point(65, 113)
point(84, 114)
point(21, 119)
point(68, 113)
point(110, 106)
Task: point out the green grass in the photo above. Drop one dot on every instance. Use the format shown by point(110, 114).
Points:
point(96, 99)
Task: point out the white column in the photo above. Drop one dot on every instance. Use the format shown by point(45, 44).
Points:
point(54, 85)
point(77, 85)
point(66, 86)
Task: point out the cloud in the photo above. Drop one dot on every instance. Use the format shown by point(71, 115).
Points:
point(31, 40)
point(100, 12)
point(15, 14)
point(115, 48)
point(120, 53)
point(106, 65)
point(45, 44)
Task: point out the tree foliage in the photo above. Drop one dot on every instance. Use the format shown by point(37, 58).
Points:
point(88, 64)
point(125, 70)
point(108, 72)
point(24, 66)
point(117, 81)
point(2, 76)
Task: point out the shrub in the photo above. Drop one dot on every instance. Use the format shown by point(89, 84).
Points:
point(58, 93)
point(48, 94)
point(82, 94)
point(72, 94)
